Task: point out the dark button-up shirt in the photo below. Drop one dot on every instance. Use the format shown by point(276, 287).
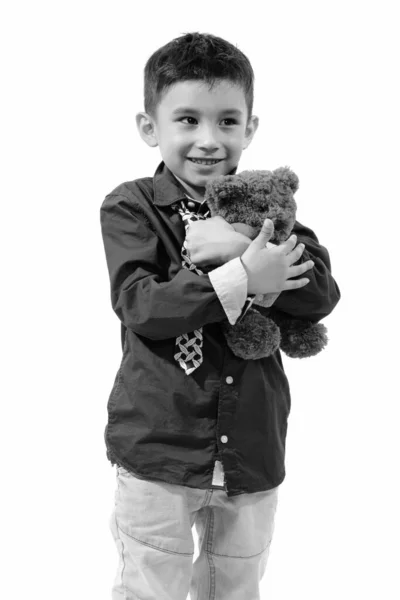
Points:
point(163, 424)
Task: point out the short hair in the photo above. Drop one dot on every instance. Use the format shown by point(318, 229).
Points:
point(196, 56)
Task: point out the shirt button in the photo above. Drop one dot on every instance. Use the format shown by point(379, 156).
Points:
point(191, 204)
point(229, 379)
point(224, 439)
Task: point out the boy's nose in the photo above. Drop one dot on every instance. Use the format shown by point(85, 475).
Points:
point(207, 139)
point(208, 145)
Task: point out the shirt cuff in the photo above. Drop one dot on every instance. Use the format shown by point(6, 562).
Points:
point(230, 284)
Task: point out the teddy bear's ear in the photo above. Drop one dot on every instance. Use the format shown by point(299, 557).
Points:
point(286, 176)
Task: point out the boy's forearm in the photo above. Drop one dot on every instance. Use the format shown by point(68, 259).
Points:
point(319, 297)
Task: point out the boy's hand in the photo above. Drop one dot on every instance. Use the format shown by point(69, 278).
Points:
point(269, 269)
point(247, 230)
point(213, 242)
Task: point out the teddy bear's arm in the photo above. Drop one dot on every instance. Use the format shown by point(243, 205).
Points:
point(319, 297)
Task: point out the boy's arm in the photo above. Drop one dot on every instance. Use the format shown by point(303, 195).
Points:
point(141, 294)
point(318, 298)
point(312, 302)
point(320, 295)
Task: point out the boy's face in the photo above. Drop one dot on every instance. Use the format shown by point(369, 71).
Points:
point(194, 122)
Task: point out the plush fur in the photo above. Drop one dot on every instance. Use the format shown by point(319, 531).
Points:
point(250, 197)
point(264, 340)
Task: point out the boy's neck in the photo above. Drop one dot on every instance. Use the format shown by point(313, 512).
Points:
point(198, 200)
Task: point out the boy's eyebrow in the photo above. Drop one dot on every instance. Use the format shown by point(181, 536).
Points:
point(230, 111)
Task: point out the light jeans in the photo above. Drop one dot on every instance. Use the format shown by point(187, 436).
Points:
point(152, 528)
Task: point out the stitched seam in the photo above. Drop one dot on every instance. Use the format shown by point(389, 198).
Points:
point(241, 557)
point(209, 533)
point(207, 498)
point(156, 547)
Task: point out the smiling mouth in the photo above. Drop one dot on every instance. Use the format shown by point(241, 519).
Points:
point(199, 161)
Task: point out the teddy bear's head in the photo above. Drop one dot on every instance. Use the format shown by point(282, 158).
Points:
point(252, 196)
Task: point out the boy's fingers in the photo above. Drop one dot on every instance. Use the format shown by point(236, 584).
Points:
point(300, 269)
point(290, 243)
point(217, 219)
point(267, 231)
point(294, 284)
point(295, 254)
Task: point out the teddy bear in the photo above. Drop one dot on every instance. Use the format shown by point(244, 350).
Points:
point(245, 200)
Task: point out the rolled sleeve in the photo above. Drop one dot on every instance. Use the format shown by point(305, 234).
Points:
point(230, 284)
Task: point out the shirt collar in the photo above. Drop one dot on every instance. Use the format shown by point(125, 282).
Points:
point(167, 189)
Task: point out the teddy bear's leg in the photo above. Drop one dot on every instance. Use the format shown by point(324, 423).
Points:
point(254, 337)
point(301, 339)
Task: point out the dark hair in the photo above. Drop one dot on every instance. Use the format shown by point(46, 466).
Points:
point(198, 56)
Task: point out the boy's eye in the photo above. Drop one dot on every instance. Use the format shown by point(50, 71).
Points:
point(193, 119)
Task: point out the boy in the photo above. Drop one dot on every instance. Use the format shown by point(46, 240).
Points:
point(197, 434)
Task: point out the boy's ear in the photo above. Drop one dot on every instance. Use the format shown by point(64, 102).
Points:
point(145, 125)
point(251, 128)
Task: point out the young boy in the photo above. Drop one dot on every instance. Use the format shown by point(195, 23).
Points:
point(197, 434)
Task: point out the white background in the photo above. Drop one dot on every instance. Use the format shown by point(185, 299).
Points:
point(327, 98)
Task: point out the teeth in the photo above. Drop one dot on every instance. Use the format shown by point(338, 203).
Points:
point(205, 162)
